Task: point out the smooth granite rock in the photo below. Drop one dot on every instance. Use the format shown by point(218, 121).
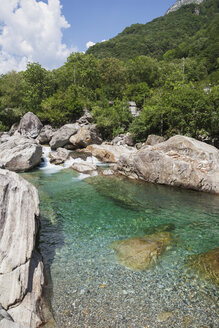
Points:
point(86, 136)
point(21, 268)
point(61, 136)
point(20, 153)
point(108, 153)
point(30, 125)
point(180, 161)
point(59, 156)
point(45, 135)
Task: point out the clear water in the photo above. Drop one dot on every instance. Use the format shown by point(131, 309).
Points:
point(88, 287)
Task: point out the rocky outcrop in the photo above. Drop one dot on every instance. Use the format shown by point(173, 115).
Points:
point(86, 136)
point(180, 161)
point(108, 153)
point(180, 3)
point(84, 167)
point(45, 135)
point(124, 139)
point(61, 136)
point(153, 139)
point(21, 268)
point(4, 137)
point(139, 253)
point(59, 156)
point(20, 153)
point(30, 125)
point(207, 264)
point(85, 119)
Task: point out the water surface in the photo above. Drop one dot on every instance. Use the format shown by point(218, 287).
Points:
point(88, 287)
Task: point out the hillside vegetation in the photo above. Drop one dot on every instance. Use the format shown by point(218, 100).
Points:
point(174, 84)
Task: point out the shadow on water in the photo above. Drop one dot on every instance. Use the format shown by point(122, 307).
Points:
point(49, 236)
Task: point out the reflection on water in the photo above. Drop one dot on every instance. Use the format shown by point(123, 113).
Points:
point(80, 220)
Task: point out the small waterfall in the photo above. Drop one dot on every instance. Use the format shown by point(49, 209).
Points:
point(52, 168)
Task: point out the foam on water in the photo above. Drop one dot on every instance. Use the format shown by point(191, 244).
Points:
point(50, 168)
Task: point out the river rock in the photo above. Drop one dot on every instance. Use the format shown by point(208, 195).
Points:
point(153, 139)
point(30, 125)
point(140, 253)
point(124, 139)
point(61, 136)
point(108, 153)
point(4, 137)
point(180, 161)
point(84, 167)
point(13, 129)
point(207, 264)
point(21, 268)
point(85, 136)
point(45, 135)
point(20, 153)
point(59, 156)
point(86, 119)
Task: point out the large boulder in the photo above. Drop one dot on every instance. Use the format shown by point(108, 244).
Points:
point(20, 154)
point(108, 153)
point(180, 161)
point(21, 267)
point(30, 125)
point(59, 156)
point(45, 135)
point(86, 136)
point(61, 136)
point(207, 264)
point(139, 253)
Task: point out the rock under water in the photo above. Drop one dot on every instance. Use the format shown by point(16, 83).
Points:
point(140, 253)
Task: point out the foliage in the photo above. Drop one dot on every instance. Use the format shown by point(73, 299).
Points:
point(160, 35)
point(112, 119)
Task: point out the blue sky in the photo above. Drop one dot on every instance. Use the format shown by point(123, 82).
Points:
point(47, 31)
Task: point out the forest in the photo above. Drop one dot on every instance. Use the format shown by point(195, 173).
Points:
point(174, 83)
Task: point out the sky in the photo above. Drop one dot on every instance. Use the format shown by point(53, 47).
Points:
point(47, 31)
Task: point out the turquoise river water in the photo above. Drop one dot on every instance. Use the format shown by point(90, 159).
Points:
point(87, 287)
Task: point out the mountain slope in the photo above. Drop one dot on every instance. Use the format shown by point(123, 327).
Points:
point(160, 35)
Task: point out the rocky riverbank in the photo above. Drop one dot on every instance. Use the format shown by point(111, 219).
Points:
point(21, 267)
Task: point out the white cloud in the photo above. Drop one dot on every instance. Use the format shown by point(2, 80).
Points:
point(31, 30)
point(90, 44)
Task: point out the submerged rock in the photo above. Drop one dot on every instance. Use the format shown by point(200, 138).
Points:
point(180, 161)
point(207, 264)
point(30, 125)
point(20, 154)
point(140, 253)
point(160, 228)
point(21, 268)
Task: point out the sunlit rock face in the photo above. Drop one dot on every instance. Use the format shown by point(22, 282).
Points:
point(180, 161)
point(21, 267)
point(180, 3)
